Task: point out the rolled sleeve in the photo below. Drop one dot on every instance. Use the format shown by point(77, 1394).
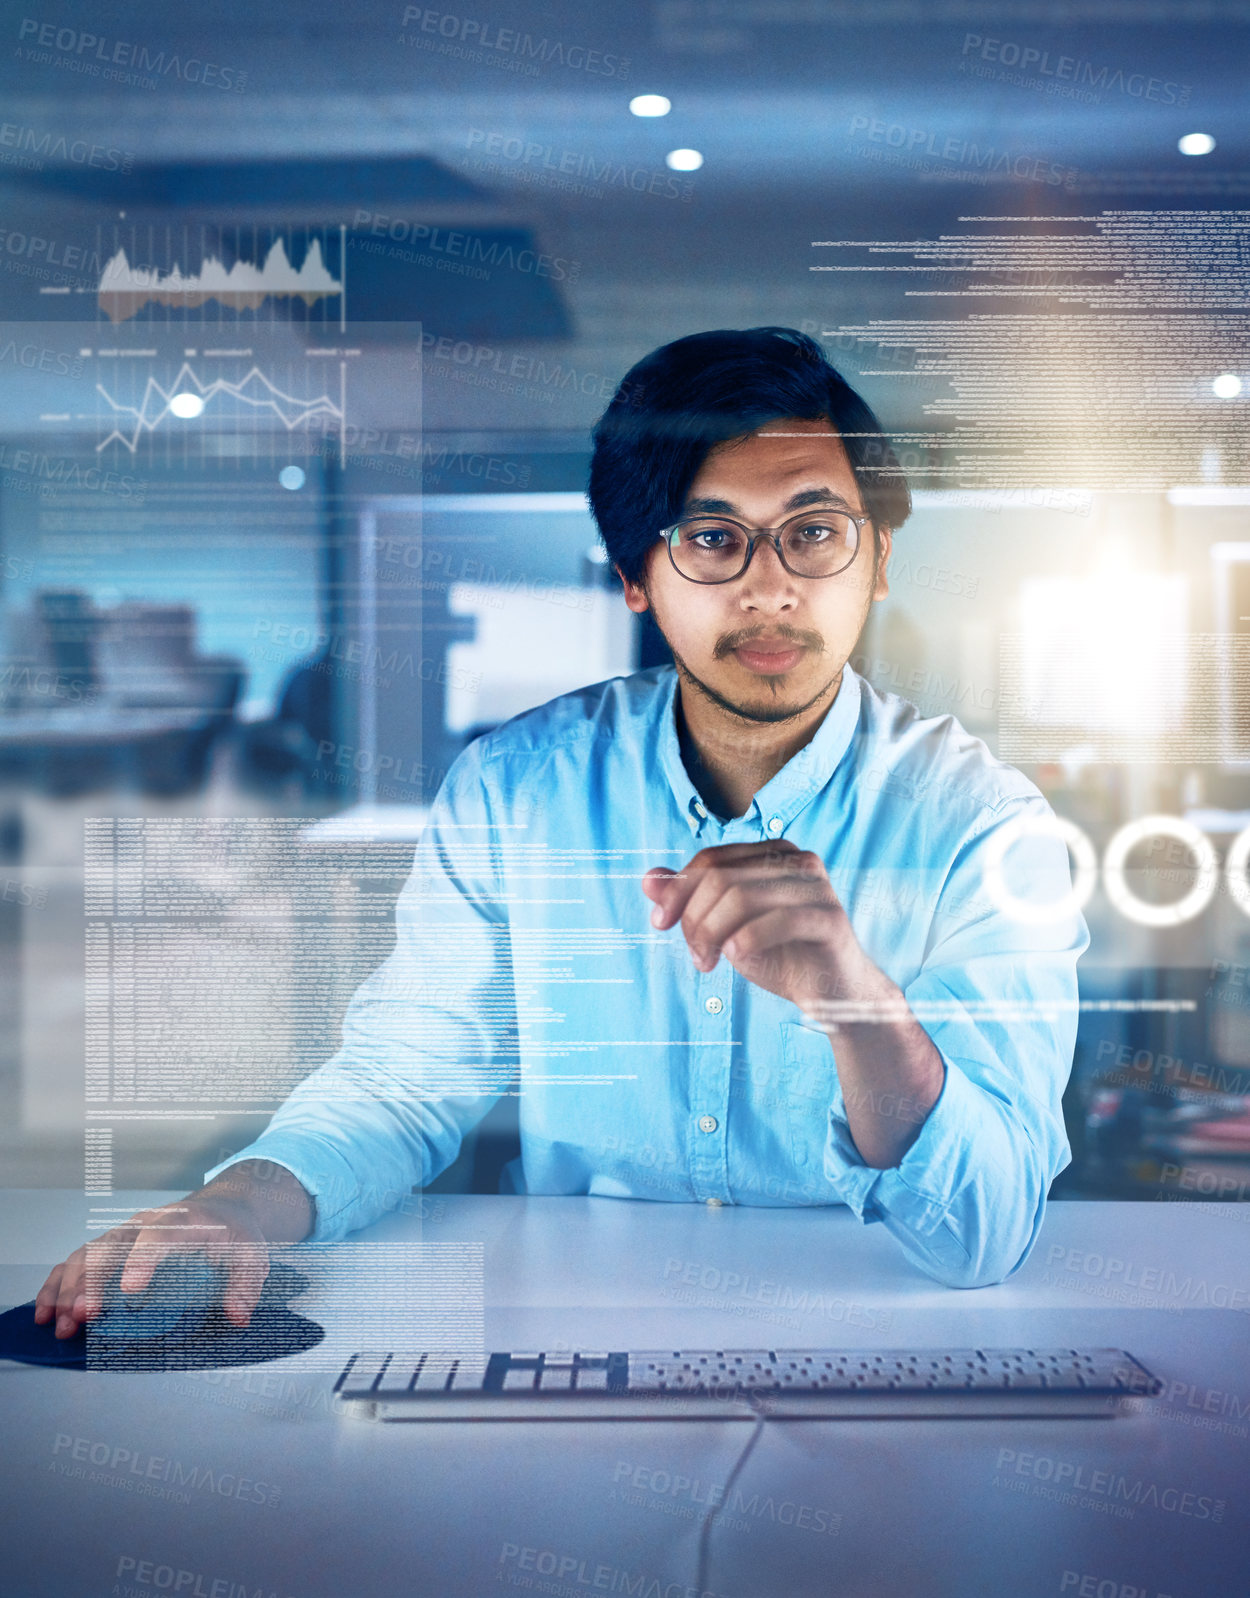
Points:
point(967, 1199)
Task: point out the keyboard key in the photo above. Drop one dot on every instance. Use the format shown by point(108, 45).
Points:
point(556, 1378)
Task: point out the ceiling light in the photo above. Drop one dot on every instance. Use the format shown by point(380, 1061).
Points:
point(1196, 144)
point(186, 405)
point(683, 160)
point(291, 477)
point(650, 105)
point(1226, 386)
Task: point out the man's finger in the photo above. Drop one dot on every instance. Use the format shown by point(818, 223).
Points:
point(103, 1258)
point(743, 902)
point(763, 879)
point(672, 891)
point(68, 1292)
point(654, 880)
point(248, 1269)
point(45, 1298)
point(766, 949)
point(150, 1248)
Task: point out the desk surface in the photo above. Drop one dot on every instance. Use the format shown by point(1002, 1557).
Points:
point(275, 1490)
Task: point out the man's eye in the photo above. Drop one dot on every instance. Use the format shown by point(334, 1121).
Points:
point(816, 532)
point(712, 537)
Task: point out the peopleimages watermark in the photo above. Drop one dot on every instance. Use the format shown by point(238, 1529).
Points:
point(1065, 75)
point(36, 357)
point(34, 147)
point(150, 1575)
point(387, 663)
point(474, 40)
point(918, 144)
point(1140, 1067)
point(1074, 1482)
point(746, 1289)
point(685, 1496)
point(51, 262)
point(459, 248)
point(110, 60)
point(535, 375)
point(153, 1475)
point(31, 471)
point(1120, 1276)
point(575, 1574)
point(574, 171)
point(1082, 1584)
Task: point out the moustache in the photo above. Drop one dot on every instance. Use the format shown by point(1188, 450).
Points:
point(790, 635)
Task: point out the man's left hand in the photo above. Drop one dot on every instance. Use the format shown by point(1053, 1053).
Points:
point(771, 910)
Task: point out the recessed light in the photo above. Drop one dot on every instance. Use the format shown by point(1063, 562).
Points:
point(1226, 386)
point(186, 405)
point(291, 477)
point(650, 105)
point(1196, 144)
point(683, 160)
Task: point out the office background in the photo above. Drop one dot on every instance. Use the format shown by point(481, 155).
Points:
point(307, 312)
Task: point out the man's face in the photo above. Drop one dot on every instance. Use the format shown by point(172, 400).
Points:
point(768, 645)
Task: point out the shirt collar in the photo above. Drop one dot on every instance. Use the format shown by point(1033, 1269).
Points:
point(792, 789)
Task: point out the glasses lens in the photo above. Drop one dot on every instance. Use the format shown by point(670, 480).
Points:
point(819, 543)
point(708, 550)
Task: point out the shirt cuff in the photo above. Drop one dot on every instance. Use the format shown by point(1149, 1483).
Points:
point(320, 1171)
point(918, 1190)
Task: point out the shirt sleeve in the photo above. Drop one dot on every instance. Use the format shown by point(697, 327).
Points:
point(429, 1040)
point(967, 1199)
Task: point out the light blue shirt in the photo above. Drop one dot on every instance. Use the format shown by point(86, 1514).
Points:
point(526, 963)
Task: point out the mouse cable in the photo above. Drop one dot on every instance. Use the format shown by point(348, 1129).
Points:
point(705, 1531)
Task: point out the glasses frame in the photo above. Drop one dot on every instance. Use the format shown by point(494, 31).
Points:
point(773, 534)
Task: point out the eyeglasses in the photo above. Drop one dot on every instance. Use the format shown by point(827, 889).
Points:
point(716, 549)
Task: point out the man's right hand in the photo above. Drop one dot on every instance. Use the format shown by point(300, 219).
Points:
point(233, 1221)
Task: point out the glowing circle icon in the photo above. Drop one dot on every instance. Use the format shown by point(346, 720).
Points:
point(1160, 915)
point(1024, 910)
point(1235, 871)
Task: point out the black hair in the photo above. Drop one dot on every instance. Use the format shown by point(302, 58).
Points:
point(680, 401)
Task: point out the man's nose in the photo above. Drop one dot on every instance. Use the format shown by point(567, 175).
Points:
point(766, 584)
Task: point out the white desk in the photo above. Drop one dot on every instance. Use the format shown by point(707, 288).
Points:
point(930, 1508)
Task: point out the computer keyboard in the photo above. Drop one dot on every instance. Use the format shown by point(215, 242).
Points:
point(733, 1383)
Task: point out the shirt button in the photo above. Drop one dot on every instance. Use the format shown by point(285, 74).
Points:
point(700, 811)
point(708, 1123)
point(715, 1204)
point(775, 824)
point(713, 1006)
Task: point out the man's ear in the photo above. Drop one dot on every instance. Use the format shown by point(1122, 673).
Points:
point(885, 545)
point(635, 593)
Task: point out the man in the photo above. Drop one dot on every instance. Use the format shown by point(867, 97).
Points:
point(727, 927)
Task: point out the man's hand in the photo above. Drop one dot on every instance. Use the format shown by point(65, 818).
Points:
point(232, 1220)
point(771, 910)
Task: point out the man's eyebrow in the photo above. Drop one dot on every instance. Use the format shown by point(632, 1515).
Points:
point(799, 501)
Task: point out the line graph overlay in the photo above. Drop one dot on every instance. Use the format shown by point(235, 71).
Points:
point(254, 391)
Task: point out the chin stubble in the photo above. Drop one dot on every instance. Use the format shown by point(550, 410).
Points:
point(752, 713)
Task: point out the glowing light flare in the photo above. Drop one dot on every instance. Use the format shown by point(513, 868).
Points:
point(1091, 655)
point(187, 406)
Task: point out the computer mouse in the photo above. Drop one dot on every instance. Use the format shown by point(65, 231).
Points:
point(183, 1291)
